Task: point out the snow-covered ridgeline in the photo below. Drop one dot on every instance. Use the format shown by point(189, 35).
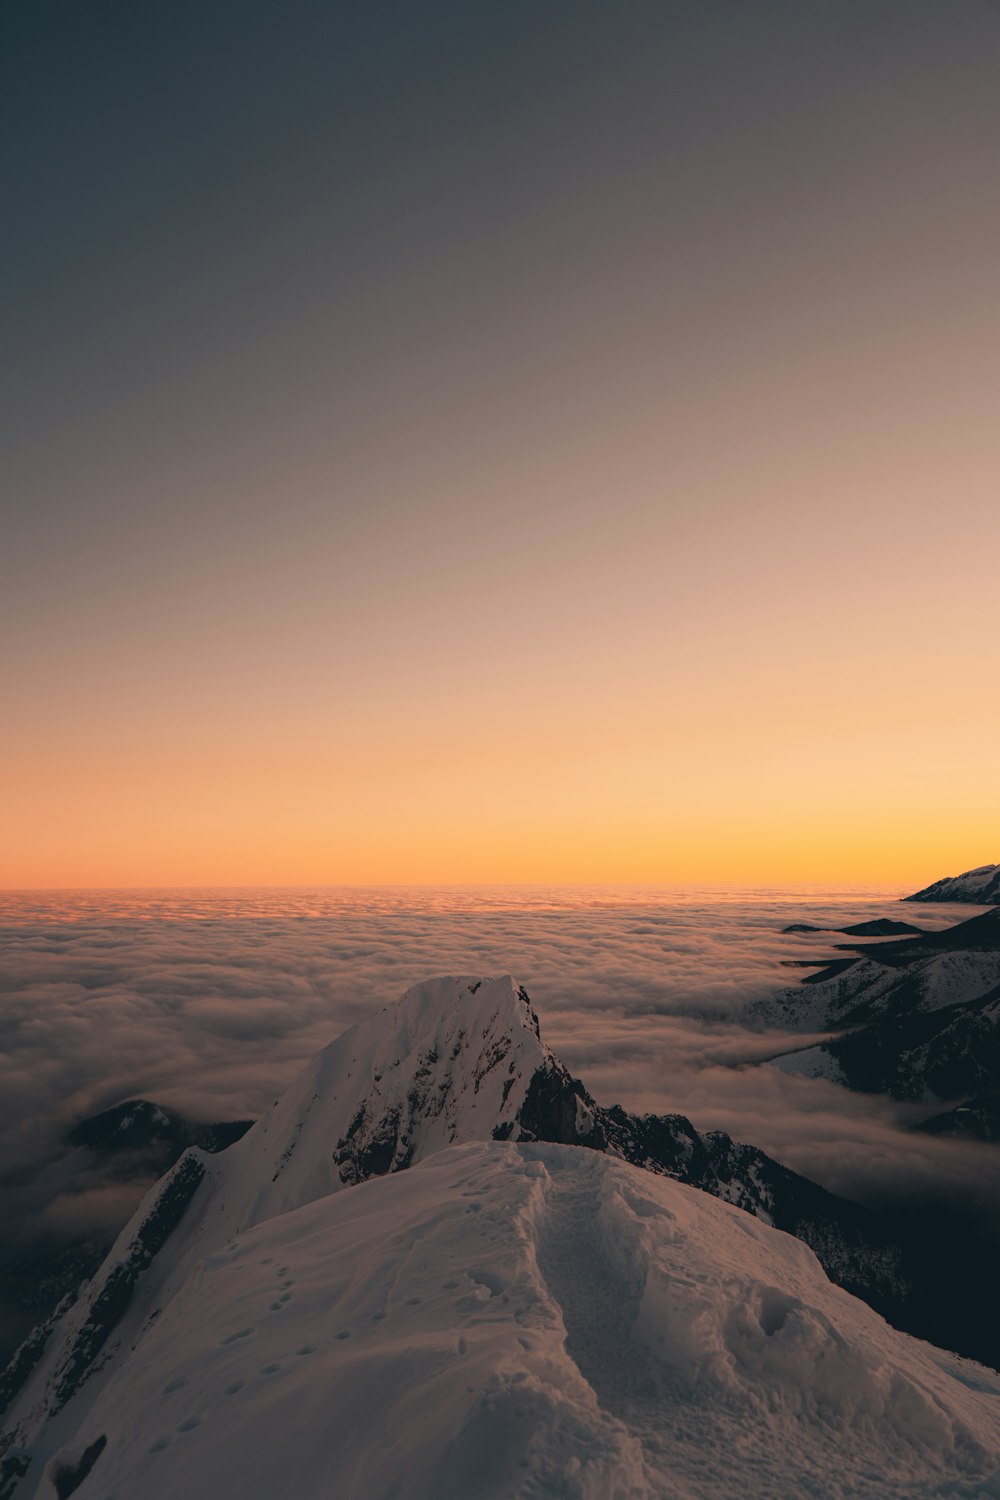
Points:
point(917, 1018)
point(527, 1320)
point(979, 887)
point(455, 1062)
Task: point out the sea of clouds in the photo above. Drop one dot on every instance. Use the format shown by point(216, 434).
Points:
point(211, 1001)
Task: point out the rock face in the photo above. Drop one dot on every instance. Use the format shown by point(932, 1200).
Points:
point(457, 1060)
point(978, 1119)
point(139, 1132)
point(979, 887)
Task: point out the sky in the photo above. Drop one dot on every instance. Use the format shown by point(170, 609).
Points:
point(454, 443)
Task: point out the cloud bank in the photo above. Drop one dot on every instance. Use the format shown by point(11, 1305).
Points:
point(211, 1002)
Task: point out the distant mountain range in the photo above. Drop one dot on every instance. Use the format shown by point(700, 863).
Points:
point(979, 887)
point(918, 1017)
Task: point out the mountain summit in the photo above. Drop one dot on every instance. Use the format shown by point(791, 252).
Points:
point(979, 887)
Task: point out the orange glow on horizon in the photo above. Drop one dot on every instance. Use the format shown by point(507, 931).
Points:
point(508, 801)
point(578, 465)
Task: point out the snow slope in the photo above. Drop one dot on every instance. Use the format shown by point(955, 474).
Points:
point(455, 1061)
point(892, 980)
point(920, 1017)
point(527, 1320)
point(979, 887)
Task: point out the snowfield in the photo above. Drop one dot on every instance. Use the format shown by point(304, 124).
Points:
point(392, 1289)
point(526, 1320)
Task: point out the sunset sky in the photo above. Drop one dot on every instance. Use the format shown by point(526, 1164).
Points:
point(516, 442)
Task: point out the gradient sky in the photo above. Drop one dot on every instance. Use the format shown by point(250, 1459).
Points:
point(465, 442)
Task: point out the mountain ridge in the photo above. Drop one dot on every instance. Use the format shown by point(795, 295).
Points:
point(455, 1061)
point(524, 1319)
point(978, 887)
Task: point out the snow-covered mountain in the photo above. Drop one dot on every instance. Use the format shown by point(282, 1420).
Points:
point(519, 1319)
point(919, 1017)
point(455, 1062)
point(979, 887)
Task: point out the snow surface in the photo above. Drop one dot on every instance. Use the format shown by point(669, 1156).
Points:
point(870, 990)
point(501, 1319)
point(450, 1062)
point(523, 1320)
point(974, 886)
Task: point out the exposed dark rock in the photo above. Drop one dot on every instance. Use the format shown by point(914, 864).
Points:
point(977, 935)
point(551, 1111)
point(69, 1477)
point(14, 1464)
point(134, 1142)
point(949, 1053)
point(877, 927)
point(27, 1355)
point(976, 1119)
point(139, 1126)
point(372, 1148)
point(880, 927)
point(120, 1281)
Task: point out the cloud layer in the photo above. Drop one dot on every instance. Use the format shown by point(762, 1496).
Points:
point(211, 1002)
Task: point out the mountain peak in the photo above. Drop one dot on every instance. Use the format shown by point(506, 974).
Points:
point(978, 887)
point(457, 1058)
point(457, 1062)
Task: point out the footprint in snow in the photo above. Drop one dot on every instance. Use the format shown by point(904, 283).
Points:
point(230, 1338)
point(344, 1333)
point(190, 1424)
point(235, 1388)
point(270, 1369)
point(174, 1385)
point(160, 1444)
point(307, 1349)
